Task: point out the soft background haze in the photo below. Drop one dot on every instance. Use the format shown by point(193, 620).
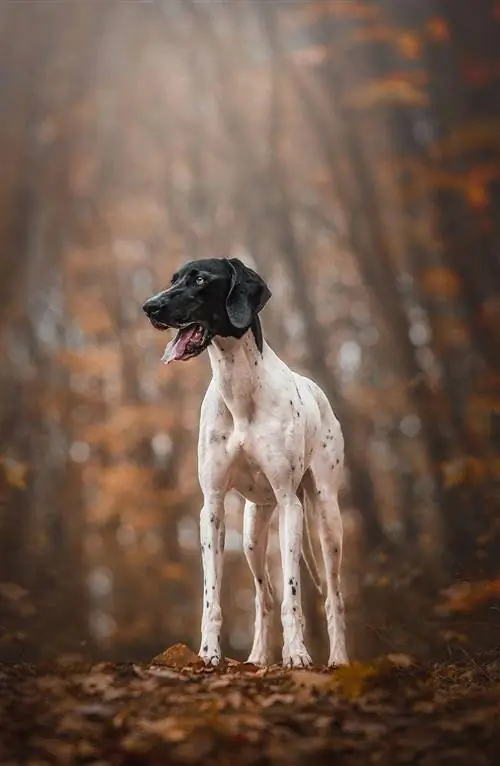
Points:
point(350, 152)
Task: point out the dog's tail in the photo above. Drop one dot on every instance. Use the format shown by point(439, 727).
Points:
point(307, 548)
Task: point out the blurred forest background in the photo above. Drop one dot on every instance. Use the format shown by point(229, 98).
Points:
point(350, 152)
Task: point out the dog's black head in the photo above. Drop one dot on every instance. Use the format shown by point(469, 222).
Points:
point(216, 296)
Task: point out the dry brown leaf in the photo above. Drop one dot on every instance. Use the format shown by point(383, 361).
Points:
point(234, 699)
point(95, 682)
point(385, 91)
point(308, 679)
point(15, 471)
point(401, 660)
point(350, 680)
point(172, 729)
point(466, 596)
point(159, 671)
point(276, 699)
point(220, 683)
point(177, 656)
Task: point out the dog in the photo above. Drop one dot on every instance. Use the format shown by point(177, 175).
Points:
point(269, 434)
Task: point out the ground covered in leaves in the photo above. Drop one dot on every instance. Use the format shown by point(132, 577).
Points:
point(174, 712)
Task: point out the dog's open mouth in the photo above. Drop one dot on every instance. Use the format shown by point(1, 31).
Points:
point(157, 324)
point(189, 342)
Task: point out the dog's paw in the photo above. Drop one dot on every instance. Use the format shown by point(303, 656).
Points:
point(211, 655)
point(338, 658)
point(262, 659)
point(298, 657)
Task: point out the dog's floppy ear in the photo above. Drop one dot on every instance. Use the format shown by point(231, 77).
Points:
point(248, 294)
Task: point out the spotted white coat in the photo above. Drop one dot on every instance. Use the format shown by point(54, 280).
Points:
point(270, 434)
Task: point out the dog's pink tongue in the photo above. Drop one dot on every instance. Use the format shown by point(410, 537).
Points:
point(177, 347)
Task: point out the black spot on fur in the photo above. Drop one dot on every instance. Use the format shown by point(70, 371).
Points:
point(205, 648)
point(212, 518)
point(209, 546)
point(260, 580)
point(294, 608)
point(323, 444)
point(255, 364)
point(290, 581)
point(291, 402)
point(294, 590)
point(336, 550)
point(337, 461)
point(215, 437)
point(213, 587)
point(207, 604)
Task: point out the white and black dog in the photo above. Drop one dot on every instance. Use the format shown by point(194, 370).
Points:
point(266, 432)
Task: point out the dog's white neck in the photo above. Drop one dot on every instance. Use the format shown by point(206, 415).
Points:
point(237, 371)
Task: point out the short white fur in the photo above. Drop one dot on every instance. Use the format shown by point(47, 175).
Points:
point(271, 435)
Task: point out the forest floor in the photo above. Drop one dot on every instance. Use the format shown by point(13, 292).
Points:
point(392, 711)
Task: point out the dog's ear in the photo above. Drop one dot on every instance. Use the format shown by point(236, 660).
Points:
point(248, 294)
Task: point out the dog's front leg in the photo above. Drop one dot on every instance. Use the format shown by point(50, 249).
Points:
point(212, 536)
point(291, 519)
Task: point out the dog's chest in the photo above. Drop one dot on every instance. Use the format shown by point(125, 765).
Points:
point(249, 478)
point(262, 451)
point(257, 428)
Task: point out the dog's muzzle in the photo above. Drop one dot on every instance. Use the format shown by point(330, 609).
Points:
point(153, 308)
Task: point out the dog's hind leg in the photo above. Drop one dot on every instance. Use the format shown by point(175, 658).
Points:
point(321, 484)
point(255, 536)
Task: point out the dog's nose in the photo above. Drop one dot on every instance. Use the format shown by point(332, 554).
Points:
point(151, 305)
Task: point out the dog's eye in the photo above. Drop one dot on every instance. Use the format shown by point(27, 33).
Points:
point(200, 280)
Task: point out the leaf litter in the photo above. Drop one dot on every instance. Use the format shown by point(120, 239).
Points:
point(176, 711)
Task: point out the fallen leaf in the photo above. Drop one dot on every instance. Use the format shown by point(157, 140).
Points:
point(308, 679)
point(159, 671)
point(400, 660)
point(94, 683)
point(15, 472)
point(277, 699)
point(350, 680)
point(172, 729)
point(177, 656)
